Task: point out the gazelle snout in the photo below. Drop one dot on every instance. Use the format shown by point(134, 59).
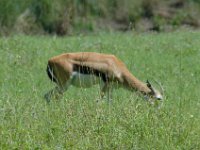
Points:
point(159, 98)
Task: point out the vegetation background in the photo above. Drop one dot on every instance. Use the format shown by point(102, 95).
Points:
point(74, 16)
point(77, 121)
point(32, 31)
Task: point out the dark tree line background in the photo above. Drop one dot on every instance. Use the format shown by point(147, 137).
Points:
point(65, 17)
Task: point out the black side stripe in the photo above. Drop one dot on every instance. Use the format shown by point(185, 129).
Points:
point(87, 70)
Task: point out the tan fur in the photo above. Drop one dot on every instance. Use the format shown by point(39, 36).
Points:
point(114, 68)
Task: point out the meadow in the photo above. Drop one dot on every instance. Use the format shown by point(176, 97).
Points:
point(77, 121)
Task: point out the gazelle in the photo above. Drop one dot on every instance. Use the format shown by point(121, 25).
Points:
point(84, 69)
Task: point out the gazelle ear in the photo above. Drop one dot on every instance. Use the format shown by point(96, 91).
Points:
point(150, 87)
point(148, 84)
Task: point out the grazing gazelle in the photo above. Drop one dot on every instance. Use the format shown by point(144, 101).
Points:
point(84, 69)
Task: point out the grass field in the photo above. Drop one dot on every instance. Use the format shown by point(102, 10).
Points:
point(77, 121)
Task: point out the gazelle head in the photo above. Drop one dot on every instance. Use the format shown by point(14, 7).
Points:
point(155, 94)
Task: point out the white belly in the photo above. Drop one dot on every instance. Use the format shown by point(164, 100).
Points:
point(84, 80)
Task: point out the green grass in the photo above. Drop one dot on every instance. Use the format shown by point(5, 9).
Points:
point(77, 121)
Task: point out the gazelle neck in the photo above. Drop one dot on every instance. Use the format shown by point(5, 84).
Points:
point(132, 83)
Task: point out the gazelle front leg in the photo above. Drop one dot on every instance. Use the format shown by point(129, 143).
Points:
point(108, 90)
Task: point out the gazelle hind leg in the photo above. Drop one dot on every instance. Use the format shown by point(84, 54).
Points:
point(57, 92)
